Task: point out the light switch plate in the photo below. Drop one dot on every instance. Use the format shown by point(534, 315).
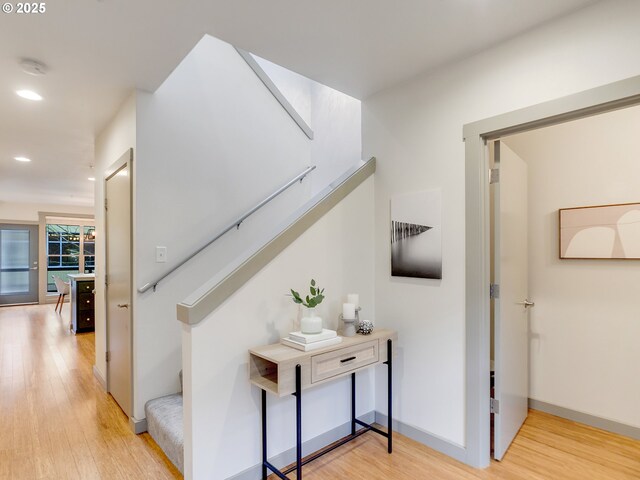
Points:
point(161, 254)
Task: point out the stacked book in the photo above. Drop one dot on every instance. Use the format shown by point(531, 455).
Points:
point(312, 341)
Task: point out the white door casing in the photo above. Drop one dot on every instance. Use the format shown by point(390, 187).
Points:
point(511, 314)
point(119, 282)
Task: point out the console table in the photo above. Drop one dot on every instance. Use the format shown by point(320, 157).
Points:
point(282, 370)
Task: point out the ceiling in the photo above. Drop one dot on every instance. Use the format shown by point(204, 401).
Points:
point(97, 51)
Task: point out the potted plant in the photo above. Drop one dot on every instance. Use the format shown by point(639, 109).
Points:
point(310, 322)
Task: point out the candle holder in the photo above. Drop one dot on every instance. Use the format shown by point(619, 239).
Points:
point(350, 325)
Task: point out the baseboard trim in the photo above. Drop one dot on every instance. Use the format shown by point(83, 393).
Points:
point(435, 442)
point(590, 420)
point(138, 426)
point(289, 456)
point(100, 378)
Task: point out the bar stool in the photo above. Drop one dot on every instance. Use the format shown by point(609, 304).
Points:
point(63, 290)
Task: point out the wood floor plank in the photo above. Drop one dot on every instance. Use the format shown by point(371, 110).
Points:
point(547, 448)
point(56, 422)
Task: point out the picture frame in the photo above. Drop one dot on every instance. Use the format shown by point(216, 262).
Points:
point(600, 232)
point(416, 234)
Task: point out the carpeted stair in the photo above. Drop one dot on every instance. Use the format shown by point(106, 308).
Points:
point(165, 425)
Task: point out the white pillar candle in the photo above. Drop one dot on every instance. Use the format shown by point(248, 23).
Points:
point(354, 298)
point(348, 311)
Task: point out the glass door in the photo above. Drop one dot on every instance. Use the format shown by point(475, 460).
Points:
point(18, 264)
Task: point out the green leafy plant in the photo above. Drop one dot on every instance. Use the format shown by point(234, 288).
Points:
point(315, 297)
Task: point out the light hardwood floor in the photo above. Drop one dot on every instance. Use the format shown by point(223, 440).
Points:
point(56, 422)
point(547, 448)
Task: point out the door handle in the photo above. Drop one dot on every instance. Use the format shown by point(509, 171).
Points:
point(33, 268)
point(526, 303)
point(123, 305)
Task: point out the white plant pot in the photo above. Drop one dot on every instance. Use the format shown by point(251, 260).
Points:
point(310, 323)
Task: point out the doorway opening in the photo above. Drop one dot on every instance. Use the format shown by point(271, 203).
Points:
point(477, 233)
point(584, 287)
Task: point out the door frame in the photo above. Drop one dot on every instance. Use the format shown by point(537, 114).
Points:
point(614, 96)
point(125, 160)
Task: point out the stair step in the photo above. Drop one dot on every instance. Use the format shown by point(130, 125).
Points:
point(165, 425)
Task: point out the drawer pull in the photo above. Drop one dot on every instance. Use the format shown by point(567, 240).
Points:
point(347, 359)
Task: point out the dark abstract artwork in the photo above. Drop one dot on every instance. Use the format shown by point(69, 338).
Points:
point(416, 243)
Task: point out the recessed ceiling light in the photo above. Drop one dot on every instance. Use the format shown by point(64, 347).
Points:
point(29, 95)
point(92, 179)
point(22, 159)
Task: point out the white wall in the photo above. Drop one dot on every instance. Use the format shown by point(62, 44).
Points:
point(116, 138)
point(28, 212)
point(295, 88)
point(222, 409)
point(213, 142)
point(584, 327)
point(415, 131)
point(334, 117)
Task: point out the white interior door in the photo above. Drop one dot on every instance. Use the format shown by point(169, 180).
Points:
point(118, 292)
point(511, 311)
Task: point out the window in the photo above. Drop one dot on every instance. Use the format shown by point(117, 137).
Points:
point(70, 249)
point(89, 248)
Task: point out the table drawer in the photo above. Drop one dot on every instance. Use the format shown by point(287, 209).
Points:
point(337, 362)
point(85, 301)
point(85, 321)
point(85, 287)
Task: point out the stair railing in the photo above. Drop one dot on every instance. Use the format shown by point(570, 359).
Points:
point(235, 224)
point(234, 275)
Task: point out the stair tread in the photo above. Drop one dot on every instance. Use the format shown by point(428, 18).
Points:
point(165, 425)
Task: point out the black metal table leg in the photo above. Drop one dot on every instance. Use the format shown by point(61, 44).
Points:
point(266, 465)
point(353, 403)
point(264, 434)
point(298, 422)
point(389, 394)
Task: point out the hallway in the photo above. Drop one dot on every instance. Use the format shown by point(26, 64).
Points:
point(56, 422)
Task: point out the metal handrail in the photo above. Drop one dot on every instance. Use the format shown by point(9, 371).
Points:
point(229, 227)
point(230, 278)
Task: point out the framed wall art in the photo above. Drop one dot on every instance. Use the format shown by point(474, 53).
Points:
point(600, 232)
point(416, 237)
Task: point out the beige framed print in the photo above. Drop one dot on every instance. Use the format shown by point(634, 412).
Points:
point(600, 232)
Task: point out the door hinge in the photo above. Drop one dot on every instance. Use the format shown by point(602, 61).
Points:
point(494, 406)
point(494, 290)
point(494, 176)
point(105, 204)
point(107, 356)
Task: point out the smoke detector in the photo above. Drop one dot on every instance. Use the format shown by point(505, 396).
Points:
point(33, 67)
